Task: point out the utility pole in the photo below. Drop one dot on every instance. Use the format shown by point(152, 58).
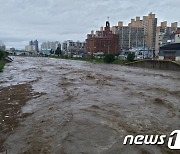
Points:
point(129, 38)
point(108, 46)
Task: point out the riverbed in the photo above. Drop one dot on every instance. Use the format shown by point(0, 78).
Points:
point(66, 107)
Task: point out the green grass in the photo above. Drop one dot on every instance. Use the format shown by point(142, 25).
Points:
point(96, 60)
point(119, 61)
point(1, 66)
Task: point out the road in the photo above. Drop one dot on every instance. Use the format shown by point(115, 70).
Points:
point(68, 107)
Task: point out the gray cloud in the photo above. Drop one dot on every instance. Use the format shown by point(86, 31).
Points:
point(23, 20)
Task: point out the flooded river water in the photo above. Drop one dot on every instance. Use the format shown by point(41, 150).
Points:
point(70, 107)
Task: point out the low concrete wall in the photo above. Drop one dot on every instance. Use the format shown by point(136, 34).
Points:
point(156, 64)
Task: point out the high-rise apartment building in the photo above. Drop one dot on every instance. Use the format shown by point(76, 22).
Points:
point(35, 43)
point(50, 45)
point(32, 47)
point(138, 33)
point(150, 23)
point(130, 36)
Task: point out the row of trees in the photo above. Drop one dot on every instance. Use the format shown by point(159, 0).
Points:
point(107, 58)
point(57, 51)
point(2, 54)
point(110, 58)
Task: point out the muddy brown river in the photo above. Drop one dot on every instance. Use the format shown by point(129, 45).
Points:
point(54, 106)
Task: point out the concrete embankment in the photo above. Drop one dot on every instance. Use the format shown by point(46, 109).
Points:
point(156, 64)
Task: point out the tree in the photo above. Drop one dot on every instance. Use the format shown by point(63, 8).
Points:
point(131, 57)
point(58, 51)
point(51, 51)
point(2, 54)
point(109, 58)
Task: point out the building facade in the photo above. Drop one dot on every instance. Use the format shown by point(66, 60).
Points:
point(130, 36)
point(32, 47)
point(71, 48)
point(36, 44)
point(170, 52)
point(50, 45)
point(177, 37)
point(150, 23)
point(104, 41)
point(138, 33)
point(165, 34)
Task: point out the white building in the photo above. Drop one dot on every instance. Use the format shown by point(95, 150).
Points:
point(70, 47)
point(50, 45)
point(30, 48)
point(177, 37)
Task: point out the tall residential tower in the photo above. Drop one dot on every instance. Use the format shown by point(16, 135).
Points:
point(150, 24)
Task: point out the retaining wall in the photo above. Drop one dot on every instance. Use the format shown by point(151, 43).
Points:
point(156, 64)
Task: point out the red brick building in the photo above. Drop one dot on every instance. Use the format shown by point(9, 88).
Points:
point(103, 41)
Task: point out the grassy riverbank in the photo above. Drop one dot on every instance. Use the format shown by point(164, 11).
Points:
point(96, 60)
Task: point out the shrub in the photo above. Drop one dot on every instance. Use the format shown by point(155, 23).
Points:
point(130, 57)
point(58, 51)
point(109, 58)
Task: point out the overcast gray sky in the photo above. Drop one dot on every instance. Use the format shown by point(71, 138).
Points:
point(51, 20)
